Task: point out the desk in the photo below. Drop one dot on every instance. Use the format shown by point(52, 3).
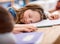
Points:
point(51, 35)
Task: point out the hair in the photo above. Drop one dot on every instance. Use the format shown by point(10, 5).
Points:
point(34, 7)
point(6, 21)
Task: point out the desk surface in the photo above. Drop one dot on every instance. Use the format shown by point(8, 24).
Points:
point(52, 35)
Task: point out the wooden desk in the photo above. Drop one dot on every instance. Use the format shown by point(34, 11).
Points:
point(51, 35)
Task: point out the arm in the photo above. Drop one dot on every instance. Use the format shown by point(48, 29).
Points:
point(52, 16)
point(23, 28)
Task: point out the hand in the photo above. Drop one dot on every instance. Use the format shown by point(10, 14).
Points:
point(20, 29)
point(53, 17)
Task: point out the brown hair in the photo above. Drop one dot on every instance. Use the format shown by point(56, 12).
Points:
point(33, 7)
point(6, 21)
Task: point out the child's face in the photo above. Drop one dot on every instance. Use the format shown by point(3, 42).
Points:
point(30, 16)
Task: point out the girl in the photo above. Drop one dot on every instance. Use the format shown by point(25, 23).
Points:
point(30, 14)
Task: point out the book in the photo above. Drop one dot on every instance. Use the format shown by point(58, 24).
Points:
point(46, 23)
point(29, 38)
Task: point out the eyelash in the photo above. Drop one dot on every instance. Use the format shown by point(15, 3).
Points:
point(29, 16)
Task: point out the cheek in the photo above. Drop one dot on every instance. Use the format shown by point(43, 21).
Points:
point(39, 18)
point(35, 19)
point(36, 16)
point(22, 20)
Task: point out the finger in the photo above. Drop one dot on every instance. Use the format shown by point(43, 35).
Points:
point(56, 17)
point(32, 27)
point(16, 32)
point(51, 17)
point(27, 30)
point(22, 30)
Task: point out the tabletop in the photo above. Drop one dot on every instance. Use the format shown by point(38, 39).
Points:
point(51, 34)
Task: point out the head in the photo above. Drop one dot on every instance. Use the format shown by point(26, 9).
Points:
point(6, 21)
point(30, 14)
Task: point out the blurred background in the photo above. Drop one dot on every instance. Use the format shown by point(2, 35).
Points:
point(21, 3)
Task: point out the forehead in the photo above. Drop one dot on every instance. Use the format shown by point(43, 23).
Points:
point(28, 11)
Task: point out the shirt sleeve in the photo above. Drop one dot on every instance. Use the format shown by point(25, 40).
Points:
point(47, 14)
point(12, 11)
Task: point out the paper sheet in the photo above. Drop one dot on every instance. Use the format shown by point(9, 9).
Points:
point(29, 38)
point(46, 22)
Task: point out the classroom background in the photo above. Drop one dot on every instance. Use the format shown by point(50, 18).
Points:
point(20, 3)
point(52, 33)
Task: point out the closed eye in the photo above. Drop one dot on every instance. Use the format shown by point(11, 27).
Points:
point(30, 16)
